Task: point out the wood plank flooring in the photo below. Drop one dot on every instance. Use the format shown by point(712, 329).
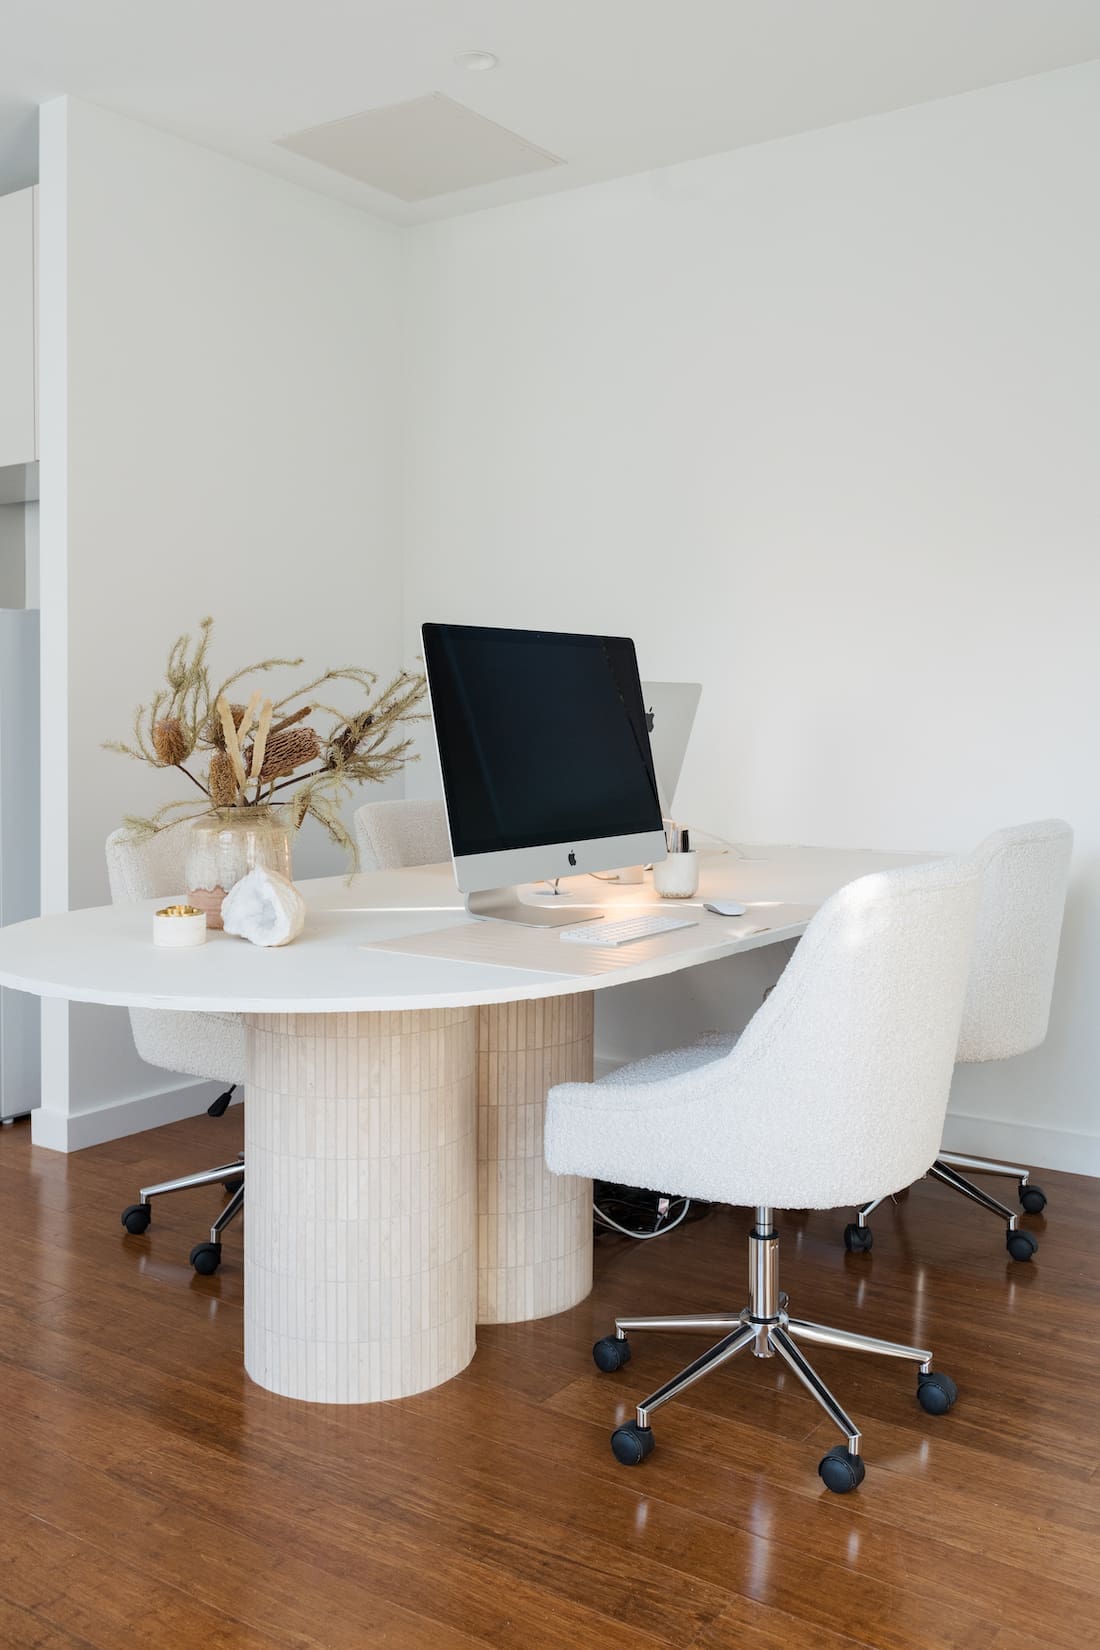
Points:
point(150, 1493)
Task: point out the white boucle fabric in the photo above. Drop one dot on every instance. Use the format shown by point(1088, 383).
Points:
point(198, 1045)
point(1025, 870)
point(395, 834)
point(835, 1092)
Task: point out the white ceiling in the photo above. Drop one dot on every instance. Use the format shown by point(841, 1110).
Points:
point(611, 86)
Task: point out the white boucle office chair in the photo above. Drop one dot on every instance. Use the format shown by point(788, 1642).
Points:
point(200, 1045)
point(1025, 870)
point(840, 1080)
point(392, 835)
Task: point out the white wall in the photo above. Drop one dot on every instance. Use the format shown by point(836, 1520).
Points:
point(13, 555)
point(817, 424)
point(19, 555)
point(218, 380)
point(30, 554)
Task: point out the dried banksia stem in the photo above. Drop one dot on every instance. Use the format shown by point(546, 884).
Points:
point(309, 753)
point(288, 750)
point(349, 739)
point(259, 747)
point(170, 742)
point(289, 721)
point(243, 726)
point(212, 732)
point(223, 780)
point(232, 743)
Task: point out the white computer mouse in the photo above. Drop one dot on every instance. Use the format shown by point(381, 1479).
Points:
point(724, 907)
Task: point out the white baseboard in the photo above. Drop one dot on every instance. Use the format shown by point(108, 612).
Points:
point(1031, 1145)
point(63, 1132)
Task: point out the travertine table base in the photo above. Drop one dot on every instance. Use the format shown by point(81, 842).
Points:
point(360, 1231)
point(534, 1227)
point(397, 1193)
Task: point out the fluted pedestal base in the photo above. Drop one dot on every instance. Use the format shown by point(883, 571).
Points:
point(397, 1193)
point(360, 1220)
point(534, 1227)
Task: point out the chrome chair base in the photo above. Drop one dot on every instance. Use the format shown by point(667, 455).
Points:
point(204, 1177)
point(1020, 1244)
point(1032, 1197)
point(766, 1326)
point(205, 1257)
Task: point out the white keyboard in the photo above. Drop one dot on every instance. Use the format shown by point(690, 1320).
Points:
point(622, 933)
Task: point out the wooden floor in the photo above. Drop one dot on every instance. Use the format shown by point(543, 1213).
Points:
point(151, 1496)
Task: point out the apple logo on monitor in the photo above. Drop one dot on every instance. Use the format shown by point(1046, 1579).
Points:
point(572, 857)
point(649, 720)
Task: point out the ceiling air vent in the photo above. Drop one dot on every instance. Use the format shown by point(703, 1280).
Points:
point(429, 146)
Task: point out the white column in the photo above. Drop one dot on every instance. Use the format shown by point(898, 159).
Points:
point(360, 1228)
point(534, 1227)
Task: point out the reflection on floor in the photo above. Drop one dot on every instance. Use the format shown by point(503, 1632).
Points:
point(149, 1491)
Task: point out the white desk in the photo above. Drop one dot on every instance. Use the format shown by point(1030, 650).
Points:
point(397, 1194)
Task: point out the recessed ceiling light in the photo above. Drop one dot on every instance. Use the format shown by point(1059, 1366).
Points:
point(478, 62)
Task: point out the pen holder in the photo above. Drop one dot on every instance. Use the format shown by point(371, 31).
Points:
point(677, 876)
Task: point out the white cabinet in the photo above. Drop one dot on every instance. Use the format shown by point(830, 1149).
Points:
point(18, 420)
point(19, 861)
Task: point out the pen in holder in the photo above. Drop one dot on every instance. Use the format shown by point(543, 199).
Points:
point(677, 877)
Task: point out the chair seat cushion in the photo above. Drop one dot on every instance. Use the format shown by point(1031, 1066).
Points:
point(679, 1122)
point(658, 1068)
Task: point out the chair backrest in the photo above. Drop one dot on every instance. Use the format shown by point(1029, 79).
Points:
point(850, 1059)
point(199, 1045)
point(394, 834)
point(1025, 870)
point(147, 868)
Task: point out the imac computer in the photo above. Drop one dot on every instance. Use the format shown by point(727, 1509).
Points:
point(545, 761)
point(669, 716)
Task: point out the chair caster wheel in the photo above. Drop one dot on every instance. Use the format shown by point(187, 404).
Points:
point(841, 1472)
point(221, 1104)
point(936, 1393)
point(857, 1240)
point(234, 1185)
point(136, 1218)
point(631, 1443)
point(1033, 1199)
point(1021, 1245)
point(206, 1258)
point(611, 1353)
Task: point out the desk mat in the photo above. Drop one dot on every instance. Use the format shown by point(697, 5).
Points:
point(506, 945)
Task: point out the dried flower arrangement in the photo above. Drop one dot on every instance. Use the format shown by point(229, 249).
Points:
point(247, 756)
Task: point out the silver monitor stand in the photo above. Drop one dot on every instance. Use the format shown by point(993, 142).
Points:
point(505, 905)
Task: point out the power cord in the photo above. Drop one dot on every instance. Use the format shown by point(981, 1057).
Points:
point(641, 1214)
point(659, 1230)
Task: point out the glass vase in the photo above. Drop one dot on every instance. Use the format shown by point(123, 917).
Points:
point(225, 845)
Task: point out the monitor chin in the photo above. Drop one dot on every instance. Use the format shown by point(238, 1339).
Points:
point(504, 868)
point(490, 881)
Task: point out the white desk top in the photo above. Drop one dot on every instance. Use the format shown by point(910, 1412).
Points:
point(339, 964)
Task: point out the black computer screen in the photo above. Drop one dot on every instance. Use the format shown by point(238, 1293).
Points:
point(542, 737)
